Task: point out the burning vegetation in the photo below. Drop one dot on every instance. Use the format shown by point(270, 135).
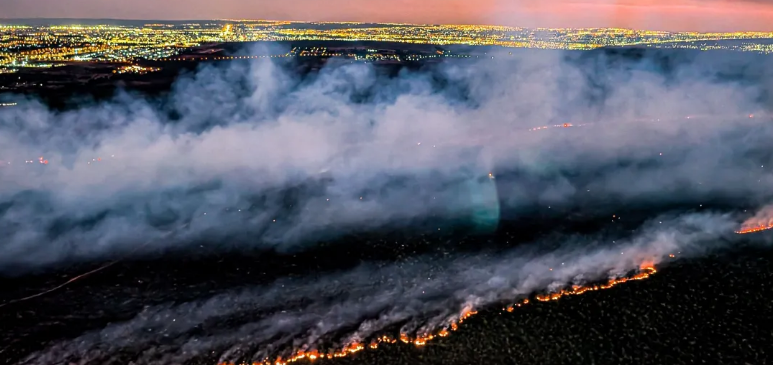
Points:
point(751, 229)
point(644, 272)
point(761, 221)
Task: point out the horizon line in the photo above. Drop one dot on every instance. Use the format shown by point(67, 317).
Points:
point(376, 23)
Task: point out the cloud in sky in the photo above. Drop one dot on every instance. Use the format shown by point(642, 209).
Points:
point(716, 15)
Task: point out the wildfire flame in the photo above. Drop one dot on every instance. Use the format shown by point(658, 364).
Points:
point(645, 271)
point(761, 227)
point(761, 221)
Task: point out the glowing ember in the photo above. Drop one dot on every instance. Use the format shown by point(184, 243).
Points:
point(646, 270)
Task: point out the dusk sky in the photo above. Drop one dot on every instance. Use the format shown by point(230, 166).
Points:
point(706, 15)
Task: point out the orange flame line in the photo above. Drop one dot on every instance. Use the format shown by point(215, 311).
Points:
point(759, 228)
point(645, 272)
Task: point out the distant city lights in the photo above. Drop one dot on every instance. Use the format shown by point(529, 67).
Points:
point(47, 46)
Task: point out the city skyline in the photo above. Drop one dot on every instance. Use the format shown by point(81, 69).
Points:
point(676, 15)
point(43, 46)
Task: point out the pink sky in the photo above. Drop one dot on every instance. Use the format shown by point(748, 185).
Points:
point(707, 15)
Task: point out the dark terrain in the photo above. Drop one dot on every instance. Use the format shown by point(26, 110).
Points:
point(707, 310)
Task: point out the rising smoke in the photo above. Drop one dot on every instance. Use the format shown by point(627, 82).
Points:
point(357, 304)
point(258, 155)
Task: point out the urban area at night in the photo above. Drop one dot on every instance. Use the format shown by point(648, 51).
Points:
point(24, 45)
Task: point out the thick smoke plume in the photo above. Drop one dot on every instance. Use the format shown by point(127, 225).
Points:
point(253, 154)
point(385, 149)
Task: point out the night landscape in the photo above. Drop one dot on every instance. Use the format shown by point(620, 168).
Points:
point(376, 184)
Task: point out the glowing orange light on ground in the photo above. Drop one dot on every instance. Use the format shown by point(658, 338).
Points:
point(757, 228)
point(646, 270)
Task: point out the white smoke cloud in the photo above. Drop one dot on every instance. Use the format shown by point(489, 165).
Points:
point(245, 129)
